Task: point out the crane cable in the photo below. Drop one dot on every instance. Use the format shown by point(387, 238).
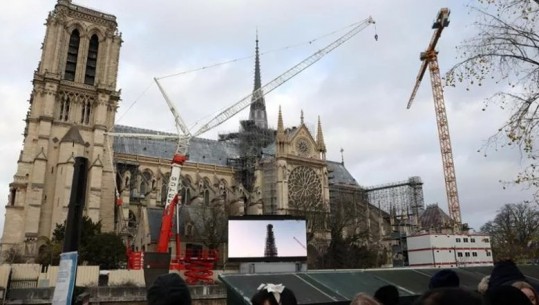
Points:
point(309, 42)
point(134, 102)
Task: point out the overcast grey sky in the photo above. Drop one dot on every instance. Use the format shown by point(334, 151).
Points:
point(360, 90)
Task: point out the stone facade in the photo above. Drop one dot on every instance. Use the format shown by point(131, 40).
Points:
point(72, 105)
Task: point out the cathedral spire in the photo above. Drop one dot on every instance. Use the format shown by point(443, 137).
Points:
point(258, 79)
point(257, 112)
point(320, 137)
point(320, 140)
point(280, 138)
point(280, 124)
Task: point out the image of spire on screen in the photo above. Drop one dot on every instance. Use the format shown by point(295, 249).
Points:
point(267, 239)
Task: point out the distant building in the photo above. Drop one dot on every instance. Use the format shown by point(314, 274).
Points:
point(435, 220)
point(449, 250)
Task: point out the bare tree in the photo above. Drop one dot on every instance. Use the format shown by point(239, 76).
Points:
point(212, 229)
point(514, 232)
point(13, 255)
point(505, 50)
point(350, 244)
point(348, 216)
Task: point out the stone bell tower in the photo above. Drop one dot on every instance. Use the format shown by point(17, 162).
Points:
point(72, 104)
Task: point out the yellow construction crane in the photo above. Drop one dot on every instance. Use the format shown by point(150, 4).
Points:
point(430, 58)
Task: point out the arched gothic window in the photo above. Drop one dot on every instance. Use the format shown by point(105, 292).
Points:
point(72, 54)
point(91, 61)
point(118, 182)
point(163, 194)
point(189, 229)
point(63, 114)
point(164, 188)
point(86, 111)
point(206, 197)
point(222, 189)
point(186, 194)
point(146, 183)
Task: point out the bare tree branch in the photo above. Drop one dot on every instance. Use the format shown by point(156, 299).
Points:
point(505, 50)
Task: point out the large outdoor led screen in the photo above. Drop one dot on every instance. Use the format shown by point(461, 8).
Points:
point(267, 238)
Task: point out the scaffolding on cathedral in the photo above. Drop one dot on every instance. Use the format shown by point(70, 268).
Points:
point(403, 200)
point(269, 195)
point(251, 140)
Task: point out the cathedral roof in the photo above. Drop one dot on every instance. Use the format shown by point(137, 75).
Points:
point(205, 151)
point(73, 135)
point(434, 217)
point(339, 175)
point(200, 151)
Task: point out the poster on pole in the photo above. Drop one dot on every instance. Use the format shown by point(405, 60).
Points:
point(65, 282)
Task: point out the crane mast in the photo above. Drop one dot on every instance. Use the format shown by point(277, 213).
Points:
point(430, 58)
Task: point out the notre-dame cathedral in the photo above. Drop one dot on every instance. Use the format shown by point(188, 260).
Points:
point(255, 171)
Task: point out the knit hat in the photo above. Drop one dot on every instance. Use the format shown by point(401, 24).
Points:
point(444, 278)
point(505, 273)
point(169, 289)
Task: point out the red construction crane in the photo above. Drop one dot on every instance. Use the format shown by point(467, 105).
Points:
point(430, 58)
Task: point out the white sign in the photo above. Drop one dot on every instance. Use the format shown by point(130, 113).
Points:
point(65, 282)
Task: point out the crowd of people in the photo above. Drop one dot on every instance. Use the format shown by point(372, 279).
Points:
point(506, 285)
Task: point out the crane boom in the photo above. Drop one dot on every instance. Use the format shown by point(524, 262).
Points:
point(180, 124)
point(442, 21)
point(281, 79)
point(430, 58)
point(183, 140)
point(300, 243)
point(143, 136)
point(417, 83)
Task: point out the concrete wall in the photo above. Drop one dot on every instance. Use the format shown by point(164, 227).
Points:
point(201, 295)
point(122, 277)
point(29, 286)
point(276, 267)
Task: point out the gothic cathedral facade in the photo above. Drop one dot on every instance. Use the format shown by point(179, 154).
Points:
point(72, 104)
